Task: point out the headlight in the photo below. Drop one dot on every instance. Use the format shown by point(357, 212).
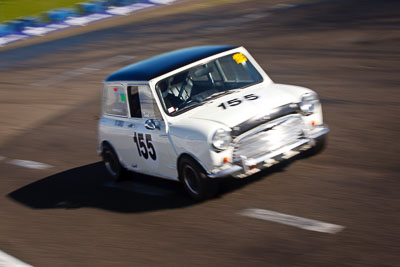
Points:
point(308, 102)
point(221, 139)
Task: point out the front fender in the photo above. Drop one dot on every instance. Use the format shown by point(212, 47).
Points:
point(194, 139)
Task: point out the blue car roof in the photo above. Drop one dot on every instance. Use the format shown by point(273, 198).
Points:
point(153, 67)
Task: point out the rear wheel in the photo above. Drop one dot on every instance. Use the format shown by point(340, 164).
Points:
point(112, 164)
point(195, 180)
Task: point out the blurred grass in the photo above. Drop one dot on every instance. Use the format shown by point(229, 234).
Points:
point(12, 9)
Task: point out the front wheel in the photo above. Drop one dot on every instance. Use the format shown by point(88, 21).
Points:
point(195, 180)
point(112, 164)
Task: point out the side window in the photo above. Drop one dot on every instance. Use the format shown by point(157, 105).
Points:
point(114, 100)
point(142, 103)
point(134, 102)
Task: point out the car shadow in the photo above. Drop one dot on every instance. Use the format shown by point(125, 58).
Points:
point(90, 186)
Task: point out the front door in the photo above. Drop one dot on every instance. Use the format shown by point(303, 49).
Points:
point(153, 153)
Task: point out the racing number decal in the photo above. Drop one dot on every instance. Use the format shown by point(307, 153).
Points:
point(236, 101)
point(145, 149)
point(152, 151)
point(251, 97)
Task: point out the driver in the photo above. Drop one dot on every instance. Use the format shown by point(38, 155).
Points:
point(171, 101)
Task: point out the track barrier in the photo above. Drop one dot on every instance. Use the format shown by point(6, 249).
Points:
point(58, 19)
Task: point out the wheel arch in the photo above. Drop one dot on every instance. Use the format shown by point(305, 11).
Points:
point(108, 143)
point(190, 156)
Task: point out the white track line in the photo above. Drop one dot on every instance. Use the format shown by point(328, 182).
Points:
point(140, 188)
point(10, 261)
point(81, 71)
point(299, 222)
point(29, 164)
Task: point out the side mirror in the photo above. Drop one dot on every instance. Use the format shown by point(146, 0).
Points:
point(151, 124)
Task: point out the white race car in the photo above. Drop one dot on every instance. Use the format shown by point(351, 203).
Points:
point(201, 113)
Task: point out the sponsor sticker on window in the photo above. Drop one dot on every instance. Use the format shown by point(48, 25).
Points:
point(239, 58)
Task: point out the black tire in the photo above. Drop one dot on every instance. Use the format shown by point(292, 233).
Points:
point(112, 164)
point(195, 180)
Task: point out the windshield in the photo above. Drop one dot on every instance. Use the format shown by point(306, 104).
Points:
point(202, 83)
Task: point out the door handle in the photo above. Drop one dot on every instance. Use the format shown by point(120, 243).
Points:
point(151, 124)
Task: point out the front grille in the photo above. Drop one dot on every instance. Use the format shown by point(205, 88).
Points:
point(269, 137)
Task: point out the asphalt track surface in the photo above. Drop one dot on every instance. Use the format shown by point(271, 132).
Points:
point(70, 215)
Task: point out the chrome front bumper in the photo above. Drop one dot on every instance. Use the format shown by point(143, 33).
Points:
point(248, 167)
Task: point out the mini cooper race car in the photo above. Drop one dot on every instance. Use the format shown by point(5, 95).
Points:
point(201, 113)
